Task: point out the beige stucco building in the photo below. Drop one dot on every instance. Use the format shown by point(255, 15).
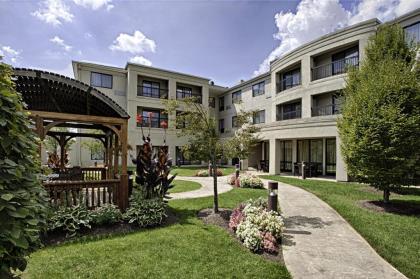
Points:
point(298, 101)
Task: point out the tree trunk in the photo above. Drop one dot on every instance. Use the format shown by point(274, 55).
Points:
point(386, 196)
point(215, 198)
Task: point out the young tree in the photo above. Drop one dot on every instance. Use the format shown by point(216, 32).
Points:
point(380, 124)
point(22, 197)
point(204, 142)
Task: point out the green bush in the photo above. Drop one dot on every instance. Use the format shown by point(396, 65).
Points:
point(70, 219)
point(250, 181)
point(22, 197)
point(106, 214)
point(145, 212)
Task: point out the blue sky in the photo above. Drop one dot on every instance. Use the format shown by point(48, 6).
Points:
point(222, 40)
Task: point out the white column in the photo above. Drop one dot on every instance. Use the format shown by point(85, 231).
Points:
point(274, 156)
point(294, 154)
point(341, 172)
point(324, 156)
point(205, 94)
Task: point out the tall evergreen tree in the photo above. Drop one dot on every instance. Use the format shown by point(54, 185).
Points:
point(380, 124)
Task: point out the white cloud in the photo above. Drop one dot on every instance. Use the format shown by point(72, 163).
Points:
point(95, 4)
point(136, 43)
point(54, 12)
point(8, 53)
point(141, 60)
point(314, 18)
point(60, 42)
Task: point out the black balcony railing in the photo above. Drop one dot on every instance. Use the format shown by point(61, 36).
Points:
point(289, 115)
point(152, 92)
point(326, 110)
point(335, 68)
point(155, 121)
point(288, 82)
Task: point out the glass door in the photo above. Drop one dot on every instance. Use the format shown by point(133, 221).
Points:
point(331, 156)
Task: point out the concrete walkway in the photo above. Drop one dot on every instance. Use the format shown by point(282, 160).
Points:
point(319, 243)
point(206, 189)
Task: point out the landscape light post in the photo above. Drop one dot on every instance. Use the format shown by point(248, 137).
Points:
point(272, 195)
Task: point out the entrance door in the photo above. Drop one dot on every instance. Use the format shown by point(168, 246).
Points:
point(331, 156)
point(286, 157)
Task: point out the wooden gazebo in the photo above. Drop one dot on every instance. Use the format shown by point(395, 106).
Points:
point(58, 101)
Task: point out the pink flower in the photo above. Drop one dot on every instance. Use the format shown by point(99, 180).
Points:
point(236, 218)
point(269, 243)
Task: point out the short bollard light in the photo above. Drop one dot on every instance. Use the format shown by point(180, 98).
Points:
point(237, 183)
point(272, 195)
point(303, 170)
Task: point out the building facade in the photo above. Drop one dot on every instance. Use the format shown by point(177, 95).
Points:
point(297, 102)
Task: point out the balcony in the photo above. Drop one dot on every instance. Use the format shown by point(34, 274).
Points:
point(155, 121)
point(288, 82)
point(289, 115)
point(151, 92)
point(336, 67)
point(330, 109)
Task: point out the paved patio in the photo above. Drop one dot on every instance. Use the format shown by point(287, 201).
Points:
point(319, 243)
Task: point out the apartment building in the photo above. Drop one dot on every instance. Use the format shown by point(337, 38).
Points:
point(297, 102)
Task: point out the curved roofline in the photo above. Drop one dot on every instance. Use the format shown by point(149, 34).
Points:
point(75, 83)
point(338, 32)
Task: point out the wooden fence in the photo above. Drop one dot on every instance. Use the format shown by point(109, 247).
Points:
point(92, 193)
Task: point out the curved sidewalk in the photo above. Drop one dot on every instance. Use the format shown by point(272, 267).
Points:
point(319, 243)
point(206, 187)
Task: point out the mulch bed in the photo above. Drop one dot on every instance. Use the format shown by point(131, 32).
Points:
point(222, 220)
point(395, 206)
point(98, 232)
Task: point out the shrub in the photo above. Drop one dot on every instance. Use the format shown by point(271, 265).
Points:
point(236, 218)
point(204, 173)
point(250, 181)
point(250, 235)
point(70, 219)
point(269, 243)
point(145, 212)
point(23, 201)
point(106, 214)
point(252, 217)
point(231, 180)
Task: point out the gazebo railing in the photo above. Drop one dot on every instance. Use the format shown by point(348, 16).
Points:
point(92, 193)
point(77, 173)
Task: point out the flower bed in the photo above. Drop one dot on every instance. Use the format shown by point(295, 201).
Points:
point(259, 230)
point(247, 181)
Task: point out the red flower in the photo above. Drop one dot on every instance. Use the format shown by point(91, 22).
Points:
point(139, 118)
point(164, 124)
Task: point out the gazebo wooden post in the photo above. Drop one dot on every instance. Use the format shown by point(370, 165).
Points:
point(116, 153)
point(123, 193)
point(109, 158)
point(62, 143)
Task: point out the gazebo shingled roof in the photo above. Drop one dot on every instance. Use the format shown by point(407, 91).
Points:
point(45, 91)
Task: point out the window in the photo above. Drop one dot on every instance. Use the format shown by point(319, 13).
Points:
point(412, 33)
point(259, 117)
point(236, 97)
point(150, 89)
point(286, 156)
point(152, 117)
point(221, 126)
point(331, 156)
point(258, 89)
point(179, 120)
point(183, 92)
point(100, 80)
point(222, 103)
point(212, 102)
point(234, 122)
point(290, 79)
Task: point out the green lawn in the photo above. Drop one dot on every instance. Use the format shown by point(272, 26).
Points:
point(189, 249)
point(395, 237)
point(191, 171)
point(184, 186)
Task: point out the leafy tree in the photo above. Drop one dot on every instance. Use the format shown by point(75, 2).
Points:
point(52, 145)
point(204, 141)
point(380, 124)
point(95, 146)
point(22, 197)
